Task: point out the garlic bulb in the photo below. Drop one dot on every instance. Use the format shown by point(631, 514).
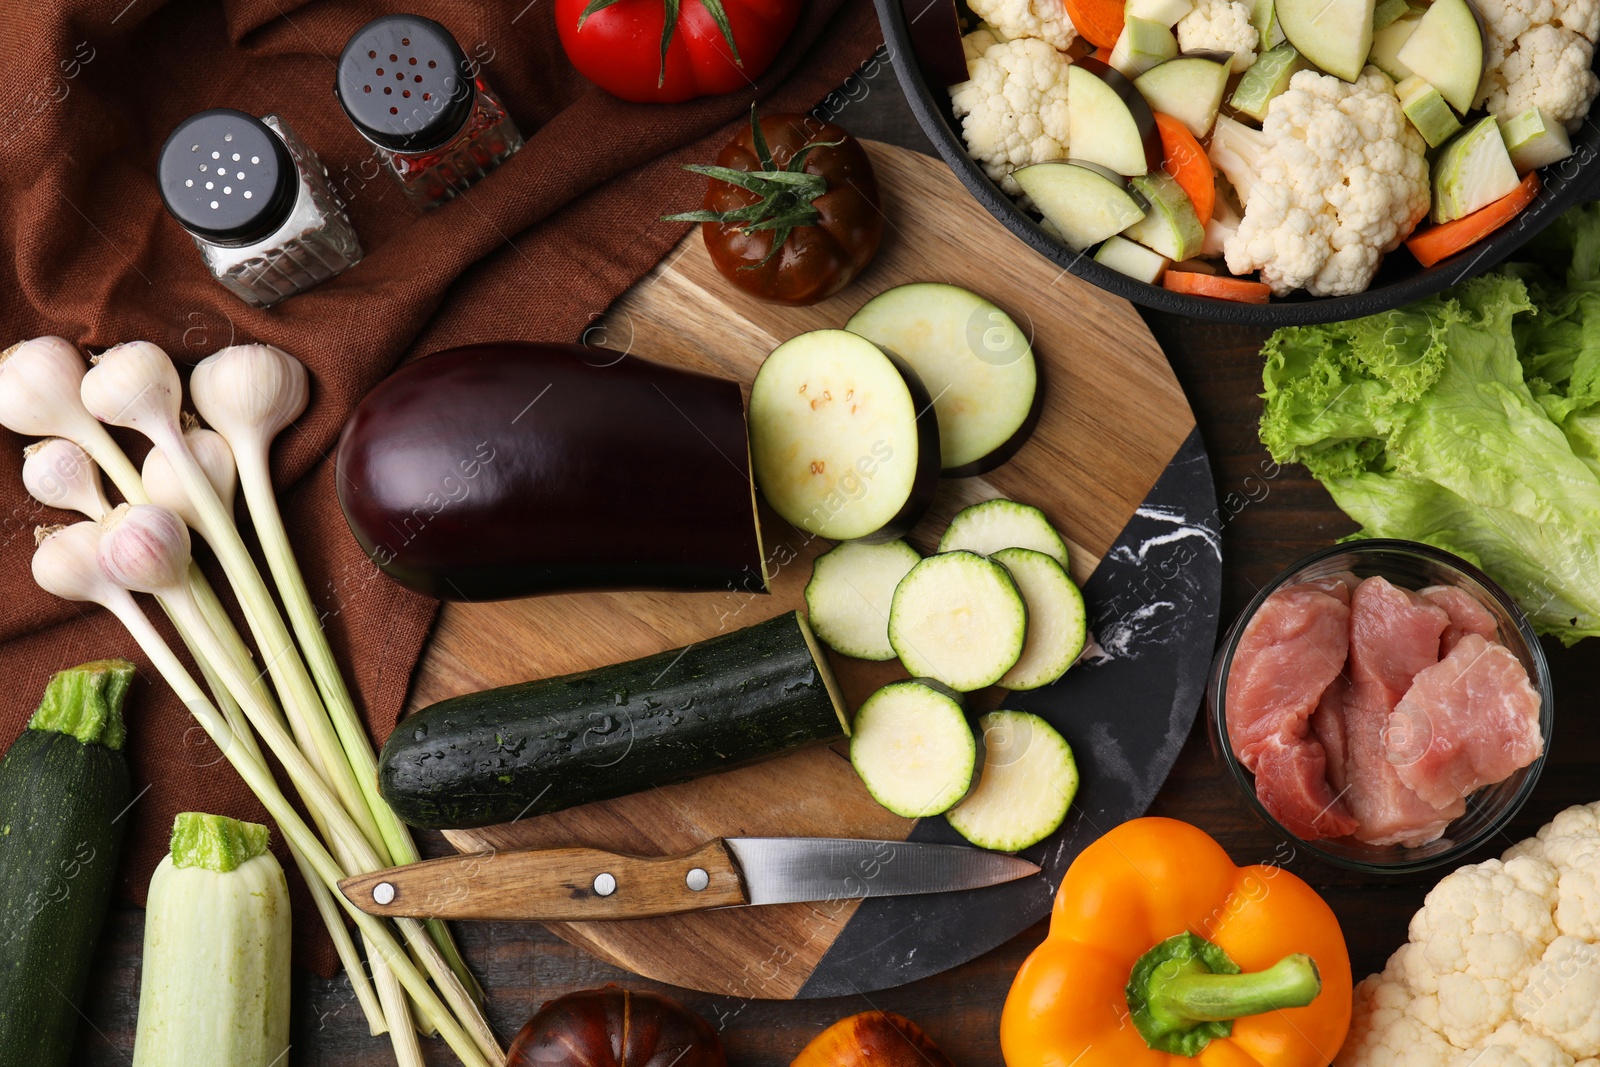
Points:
point(39, 388)
point(66, 563)
point(58, 473)
point(250, 391)
point(135, 385)
point(215, 458)
point(145, 548)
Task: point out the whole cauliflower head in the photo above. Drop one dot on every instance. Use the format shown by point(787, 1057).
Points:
point(1013, 105)
point(1503, 964)
point(1537, 55)
point(1220, 26)
point(1045, 19)
point(1333, 180)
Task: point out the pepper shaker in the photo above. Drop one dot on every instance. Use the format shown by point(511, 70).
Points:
point(257, 202)
point(409, 89)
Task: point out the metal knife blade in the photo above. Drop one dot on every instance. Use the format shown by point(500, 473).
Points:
point(781, 870)
point(586, 884)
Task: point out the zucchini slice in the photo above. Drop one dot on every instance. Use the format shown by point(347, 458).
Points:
point(988, 527)
point(1029, 779)
point(844, 438)
point(913, 748)
point(958, 618)
point(1057, 622)
point(848, 597)
point(542, 746)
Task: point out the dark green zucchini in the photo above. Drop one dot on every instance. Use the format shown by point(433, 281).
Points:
point(63, 786)
point(541, 746)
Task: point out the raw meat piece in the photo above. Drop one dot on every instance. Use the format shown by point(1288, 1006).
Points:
point(1394, 633)
point(1339, 584)
point(1290, 650)
point(1468, 721)
point(1387, 811)
point(1327, 726)
point(1292, 784)
point(1467, 616)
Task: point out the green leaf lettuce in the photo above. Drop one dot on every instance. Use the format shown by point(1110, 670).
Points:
point(1469, 421)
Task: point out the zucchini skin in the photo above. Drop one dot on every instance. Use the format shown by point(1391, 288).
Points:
point(542, 746)
point(58, 861)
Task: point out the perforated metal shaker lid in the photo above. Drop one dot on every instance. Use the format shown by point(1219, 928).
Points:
point(225, 176)
point(405, 83)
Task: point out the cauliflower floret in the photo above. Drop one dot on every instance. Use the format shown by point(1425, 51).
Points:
point(1487, 978)
point(1335, 179)
point(1475, 940)
point(1561, 998)
point(1220, 26)
point(1044, 19)
point(1514, 1044)
point(1384, 1033)
point(1538, 55)
point(1571, 844)
point(1013, 107)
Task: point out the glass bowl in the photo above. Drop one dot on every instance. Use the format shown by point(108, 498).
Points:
point(1413, 566)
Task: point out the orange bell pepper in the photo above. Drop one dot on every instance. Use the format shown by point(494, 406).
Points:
point(1161, 951)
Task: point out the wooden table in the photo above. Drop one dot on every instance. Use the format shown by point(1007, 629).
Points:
point(1276, 516)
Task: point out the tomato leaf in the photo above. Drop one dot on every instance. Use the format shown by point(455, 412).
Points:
point(669, 26)
point(594, 5)
point(798, 160)
point(720, 17)
point(779, 237)
point(759, 138)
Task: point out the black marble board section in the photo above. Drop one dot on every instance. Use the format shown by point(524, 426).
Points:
point(1125, 709)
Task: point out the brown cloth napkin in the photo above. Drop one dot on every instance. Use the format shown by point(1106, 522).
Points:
point(536, 252)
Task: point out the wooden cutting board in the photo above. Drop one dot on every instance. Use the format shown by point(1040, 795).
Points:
point(1114, 421)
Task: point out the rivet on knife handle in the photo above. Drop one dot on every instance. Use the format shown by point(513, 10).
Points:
point(564, 884)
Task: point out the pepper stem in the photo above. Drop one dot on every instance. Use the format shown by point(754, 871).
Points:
point(1186, 991)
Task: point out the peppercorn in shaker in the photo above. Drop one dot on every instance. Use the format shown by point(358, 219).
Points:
point(258, 204)
point(409, 89)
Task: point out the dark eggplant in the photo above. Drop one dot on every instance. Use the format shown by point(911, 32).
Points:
point(510, 469)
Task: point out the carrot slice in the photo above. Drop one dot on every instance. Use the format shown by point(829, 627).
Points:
point(1185, 160)
point(1097, 21)
point(1103, 55)
point(1445, 240)
point(1241, 290)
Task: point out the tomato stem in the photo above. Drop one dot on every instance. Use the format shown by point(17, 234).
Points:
point(785, 196)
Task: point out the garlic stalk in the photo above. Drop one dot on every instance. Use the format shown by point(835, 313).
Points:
point(39, 391)
point(39, 397)
point(65, 564)
point(249, 394)
point(59, 473)
point(135, 385)
point(146, 548)
point(216, 460)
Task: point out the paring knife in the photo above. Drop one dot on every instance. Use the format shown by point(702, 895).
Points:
point(586, 884)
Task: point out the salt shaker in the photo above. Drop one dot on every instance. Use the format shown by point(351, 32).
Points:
point(257, 202)
point(409, 89)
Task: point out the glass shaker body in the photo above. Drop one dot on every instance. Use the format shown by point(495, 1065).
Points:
point(257, 203)
point(409, 89)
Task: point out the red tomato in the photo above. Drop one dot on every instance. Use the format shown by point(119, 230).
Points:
point(618, 47)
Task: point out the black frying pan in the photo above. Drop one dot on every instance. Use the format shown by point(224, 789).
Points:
point(1400, 280)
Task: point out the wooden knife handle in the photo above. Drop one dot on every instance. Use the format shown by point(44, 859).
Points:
point(551, 884)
